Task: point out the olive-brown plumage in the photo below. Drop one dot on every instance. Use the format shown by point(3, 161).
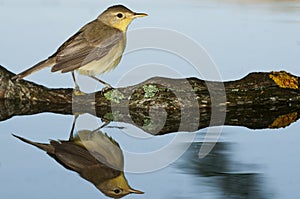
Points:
point(95, 156)
point(95, 49)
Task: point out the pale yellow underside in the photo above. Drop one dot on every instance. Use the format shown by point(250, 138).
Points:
point(103, 65)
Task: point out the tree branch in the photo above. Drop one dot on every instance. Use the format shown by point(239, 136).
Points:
point(259, 100)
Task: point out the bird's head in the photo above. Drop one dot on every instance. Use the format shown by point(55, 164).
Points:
point(117, 187)
point(119, 17)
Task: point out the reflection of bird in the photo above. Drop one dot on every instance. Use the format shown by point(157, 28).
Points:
point(95, 156)
point(96, 48)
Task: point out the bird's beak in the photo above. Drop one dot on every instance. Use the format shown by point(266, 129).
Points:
point(135, 191)
point(137, 15)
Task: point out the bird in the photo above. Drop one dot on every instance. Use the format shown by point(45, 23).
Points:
point(95, 49)
point(95, 156)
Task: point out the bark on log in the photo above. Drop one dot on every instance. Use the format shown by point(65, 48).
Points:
point(259, 100)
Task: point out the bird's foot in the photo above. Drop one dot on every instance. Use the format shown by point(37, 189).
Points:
point(107, 88)
point(77, 92)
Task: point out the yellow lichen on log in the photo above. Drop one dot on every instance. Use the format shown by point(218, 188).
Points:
point(284, 79)
point(284, 120)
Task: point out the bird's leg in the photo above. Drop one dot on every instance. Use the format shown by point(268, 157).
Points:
point(73, 127)
point(74, 80)
point(117, 127)
point(101, 81)
point(102, 126)
point(77, 89)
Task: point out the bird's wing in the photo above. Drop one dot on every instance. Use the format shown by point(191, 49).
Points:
point(92, 42)
point(80, 160)
point(72, 156)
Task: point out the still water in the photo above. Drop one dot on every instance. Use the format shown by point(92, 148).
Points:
point(240, 36)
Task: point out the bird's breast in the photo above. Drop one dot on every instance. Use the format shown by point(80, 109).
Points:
point(105, 64)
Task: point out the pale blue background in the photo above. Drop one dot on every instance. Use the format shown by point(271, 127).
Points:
point(240, 36)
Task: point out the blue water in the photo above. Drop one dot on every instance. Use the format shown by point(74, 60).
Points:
point(239, 37)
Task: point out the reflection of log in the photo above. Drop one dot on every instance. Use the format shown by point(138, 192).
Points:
point(254, 101)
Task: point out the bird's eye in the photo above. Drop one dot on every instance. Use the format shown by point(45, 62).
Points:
point(117, 191)
point(120, 15)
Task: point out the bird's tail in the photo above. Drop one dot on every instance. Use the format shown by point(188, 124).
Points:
point(46, 147)
point(36, 67)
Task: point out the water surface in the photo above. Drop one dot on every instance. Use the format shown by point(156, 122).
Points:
point(240, 36)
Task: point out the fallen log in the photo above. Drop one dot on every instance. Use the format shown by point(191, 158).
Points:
point(259, 100)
